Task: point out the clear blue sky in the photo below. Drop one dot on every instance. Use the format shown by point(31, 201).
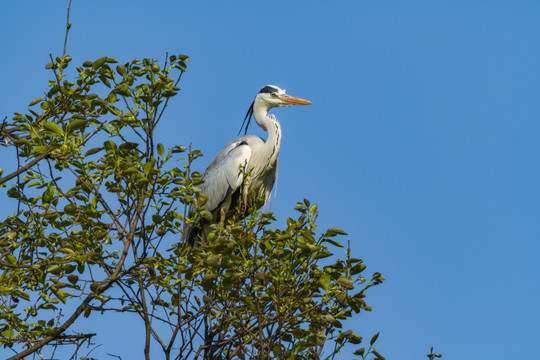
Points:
point(422, 141)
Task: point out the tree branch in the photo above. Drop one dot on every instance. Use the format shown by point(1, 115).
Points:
point(24, 168)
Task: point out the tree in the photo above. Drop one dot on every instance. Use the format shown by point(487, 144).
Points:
point(101, 206)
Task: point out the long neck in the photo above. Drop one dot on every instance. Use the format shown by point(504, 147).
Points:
point(271, 125)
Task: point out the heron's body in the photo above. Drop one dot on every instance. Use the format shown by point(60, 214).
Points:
point(246, 168)
point(243, 153)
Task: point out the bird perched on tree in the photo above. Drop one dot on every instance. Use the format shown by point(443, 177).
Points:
point(246, 168)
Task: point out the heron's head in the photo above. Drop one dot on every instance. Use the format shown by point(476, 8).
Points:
point(272, 96)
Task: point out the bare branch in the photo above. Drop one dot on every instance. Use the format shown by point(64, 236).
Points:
point(68, 26)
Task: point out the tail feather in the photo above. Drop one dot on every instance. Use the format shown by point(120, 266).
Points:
point(193, 234)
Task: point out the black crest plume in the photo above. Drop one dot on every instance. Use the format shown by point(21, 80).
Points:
point(248, 117)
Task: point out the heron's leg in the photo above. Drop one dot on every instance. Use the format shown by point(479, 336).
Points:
point(222, 218)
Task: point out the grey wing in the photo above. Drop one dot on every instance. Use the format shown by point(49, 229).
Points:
point(223, 176)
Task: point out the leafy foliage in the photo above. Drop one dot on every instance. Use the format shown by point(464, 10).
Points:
point(101, 206)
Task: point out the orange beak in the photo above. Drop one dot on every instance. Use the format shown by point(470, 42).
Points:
point(293, 100)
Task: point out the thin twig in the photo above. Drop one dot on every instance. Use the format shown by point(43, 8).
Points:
point(68, 26)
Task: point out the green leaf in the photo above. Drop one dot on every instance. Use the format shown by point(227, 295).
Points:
point(87, 311)
point(207, 215)
point(109, 145)
point(78, 124)
point(127, 146)
point(67, 251)
point(324, 281)
point(99, 62)
point(321, 254)
point(47, 196)
point(70, 209)
point(131, 170)
point(35, 101)
point(298, 333)
point(160, 150)
point(358, 268)
point(59, 294)
point(94, 287)
point(207, 281)
point(93, 151)
point(377, 275)
point(48, 306)
point(148, 166)
point(23, 295)
point(52, 127)
point(14, 193)
point(112, 98)
point(21, 142)
point(355, 338)
point(11, 259)
point(38, 150)
point(335, 231)
point(373, 339)
point(213, 259)
point(334, 242)
point(121, 70)
point(377, 355)
point(329, 318)
point(346, 283)
point(178, 149)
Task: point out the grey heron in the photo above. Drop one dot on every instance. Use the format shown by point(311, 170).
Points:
point(229, 192)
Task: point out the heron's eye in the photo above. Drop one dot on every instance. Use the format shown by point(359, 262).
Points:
point(274, 95)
